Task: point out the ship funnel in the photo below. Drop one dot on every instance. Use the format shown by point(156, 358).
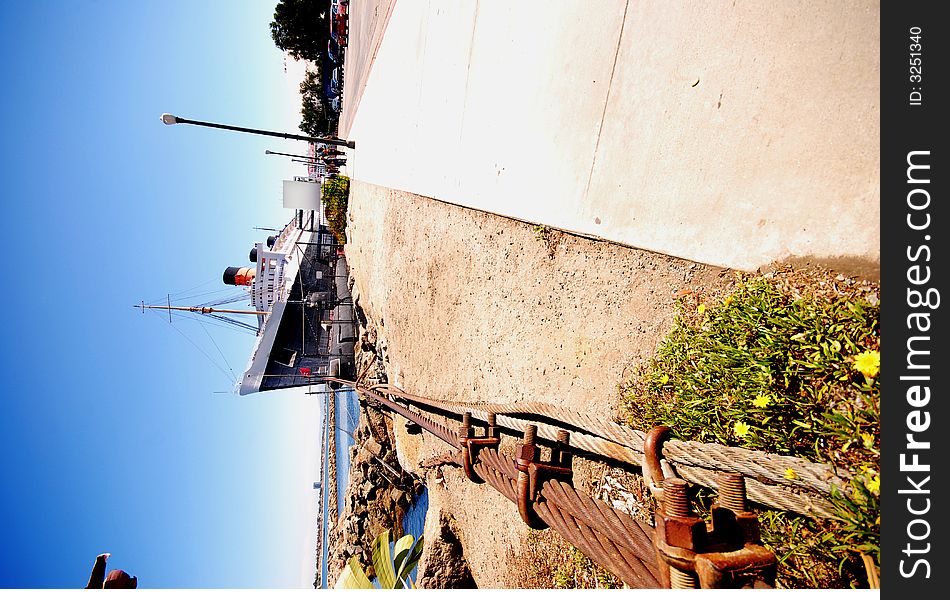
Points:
point(239, 275)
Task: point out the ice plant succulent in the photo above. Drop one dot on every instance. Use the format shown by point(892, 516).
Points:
point(868, 363)
point(741, 429)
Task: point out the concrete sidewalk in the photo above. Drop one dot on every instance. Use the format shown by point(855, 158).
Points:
point(729, 135)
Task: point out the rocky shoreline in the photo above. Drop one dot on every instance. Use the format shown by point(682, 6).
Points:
point(380, 489)
point(377, 495)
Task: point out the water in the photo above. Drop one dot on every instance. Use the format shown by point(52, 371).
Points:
point(415, 520)
point(347, 419)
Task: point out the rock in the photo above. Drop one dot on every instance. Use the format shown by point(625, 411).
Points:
point(397, 496)
point(362, 455)
point(373, 447)
point(443, 564)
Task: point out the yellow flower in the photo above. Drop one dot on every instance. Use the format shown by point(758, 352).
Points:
point(868, 363)
point(740, 428)
point(761, 401)
point(874, 485)
point(665, 379)
point(790, 473)
point(868, 440)
point(727, 300)
point(701, 308)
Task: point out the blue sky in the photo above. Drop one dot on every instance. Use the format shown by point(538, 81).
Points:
point(115, 436)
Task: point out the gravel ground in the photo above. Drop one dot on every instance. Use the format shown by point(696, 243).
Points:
point(475, 307)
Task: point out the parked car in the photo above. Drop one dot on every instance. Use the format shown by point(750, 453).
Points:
point(338, 23)
point(340, 6)
point(334, 54)
point(332, 84)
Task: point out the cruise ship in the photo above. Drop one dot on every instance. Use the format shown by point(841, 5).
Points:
point(297, 283)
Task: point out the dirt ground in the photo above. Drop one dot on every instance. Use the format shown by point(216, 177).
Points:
point(475, 307)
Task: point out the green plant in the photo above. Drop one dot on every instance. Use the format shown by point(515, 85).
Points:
point(392, 565)
point(775, 369)
point(335, 195)
point(541, 233)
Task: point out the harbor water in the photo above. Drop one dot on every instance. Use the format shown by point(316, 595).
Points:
point(347, 414)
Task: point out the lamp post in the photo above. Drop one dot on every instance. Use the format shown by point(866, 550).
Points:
point(290, 155)
point(173, 120)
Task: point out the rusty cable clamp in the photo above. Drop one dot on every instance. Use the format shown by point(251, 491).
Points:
point(533, 472)
point(727, 553)
point(470, 443)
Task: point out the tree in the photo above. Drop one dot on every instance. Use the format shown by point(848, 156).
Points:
point(315, 118)
point(301, 27)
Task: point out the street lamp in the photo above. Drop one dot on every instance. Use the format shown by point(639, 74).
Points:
point(173, 120)
point(295, 155)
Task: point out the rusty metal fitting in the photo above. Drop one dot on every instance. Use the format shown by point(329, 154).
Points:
point(561, 455)
point(532, 473)
point(491, 429)
point(527, 451)
point(676, 503)
point(470, 444)
point(678, 536)
point(652, 455)
point(465, 429)
point(733, 523)
point(750, 566)
point(682, 580)
point(732, 491)
point(725, 553)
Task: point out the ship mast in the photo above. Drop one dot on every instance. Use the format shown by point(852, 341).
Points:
point(203, 309)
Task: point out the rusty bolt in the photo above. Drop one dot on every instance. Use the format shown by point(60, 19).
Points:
point(682, 580)
point(562, 455)
point(675, 498)
point(465, 429)
point(732, 492)
point(527, 451)
point(492, 429)
point(530, 433)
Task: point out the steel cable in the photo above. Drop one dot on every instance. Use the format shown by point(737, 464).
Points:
point(806, 493)
point(612, 538)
